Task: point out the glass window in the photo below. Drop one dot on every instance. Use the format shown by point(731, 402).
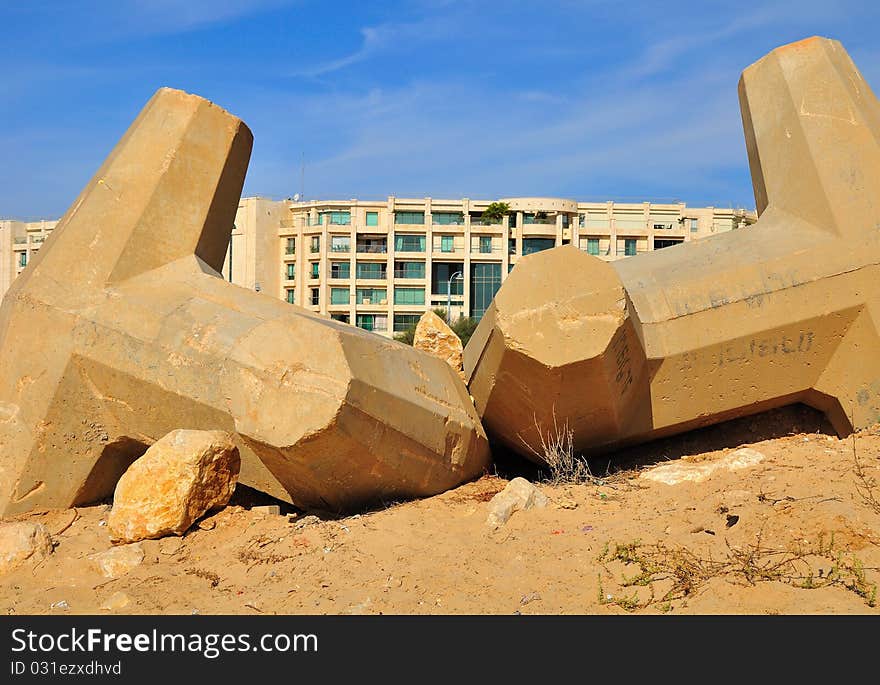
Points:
point(373, 270)
point(340, 243)
point(315, 269)
point(372, 296)
point(532, 245)
point(409, 269)
point(291, 272)
point(409, 217)
point(538, 218)
point(372, 218)
point(338, 218)
point(695, 225)
point(291, 295)
point(447, 219)
point(404, 321)
point(316, 243)
point(485, 281)
point(629, 247)
point(316, 296)
point(340, 317)
point(447, 243)
point(340, 270)
point(409, 296)
point(485, 244)
point(511, 246)
point(409, 242)
point(339, 296)
point(372, 244)
point(593, 246)
point(440, 274)
point(372, 322)
point(291, 246)
point(22, 259)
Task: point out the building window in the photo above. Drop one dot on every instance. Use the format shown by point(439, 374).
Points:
point(343, 318)
point(372, 322)
point(372, 218)
point(316, 243)
point(629, 247)
point(340, 296)
point(406, 242)
point(485, 281)
point(695, 225)
point(291, 246)
point(372, 244)
point(565, 221)
point(666, 242)
point(315, 273)
point(532, 245)
point(510, 267)
point(315, 296)
point(372, 296)
point(291, 295)
point(538, 218)
point(338, 218)
point(582, 220)
point(376, 271)
point(291, 272)
point(22, 259)
point(414, 296)
point(340, 243)
point(485, 244)
point(511, 246)
point(440, 275)
point(593, 246)
point(340, 270)
point(447, 219)
point(409, 269)
point(409, 218)
point(447, 243)
point(404, 321)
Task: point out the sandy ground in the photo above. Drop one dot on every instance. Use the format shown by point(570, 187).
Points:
point(797, 533)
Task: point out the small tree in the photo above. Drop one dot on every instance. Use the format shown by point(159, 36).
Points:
point(464, 328)
point(495, 212)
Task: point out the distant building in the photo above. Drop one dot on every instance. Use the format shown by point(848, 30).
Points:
point(379, 265)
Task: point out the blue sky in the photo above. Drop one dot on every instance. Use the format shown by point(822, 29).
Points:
point(483, 99)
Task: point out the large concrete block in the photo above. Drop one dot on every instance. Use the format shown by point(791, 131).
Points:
point(783, 311)
point(121, 330)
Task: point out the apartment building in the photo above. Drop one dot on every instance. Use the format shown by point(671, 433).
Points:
point(19, 241)
point(380, 264)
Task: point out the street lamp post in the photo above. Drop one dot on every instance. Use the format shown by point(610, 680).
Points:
point(457, 274)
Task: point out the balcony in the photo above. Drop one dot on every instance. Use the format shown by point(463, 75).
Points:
point(541, 220)
point(372, 248)
point(404, 273)
point(479, 222)
point(341, 248)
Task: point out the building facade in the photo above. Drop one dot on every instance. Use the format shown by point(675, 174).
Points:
point(19, 241)
point(380, 264)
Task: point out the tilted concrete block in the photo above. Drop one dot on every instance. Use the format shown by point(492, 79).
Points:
point(121, 330)
point(783, 311)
